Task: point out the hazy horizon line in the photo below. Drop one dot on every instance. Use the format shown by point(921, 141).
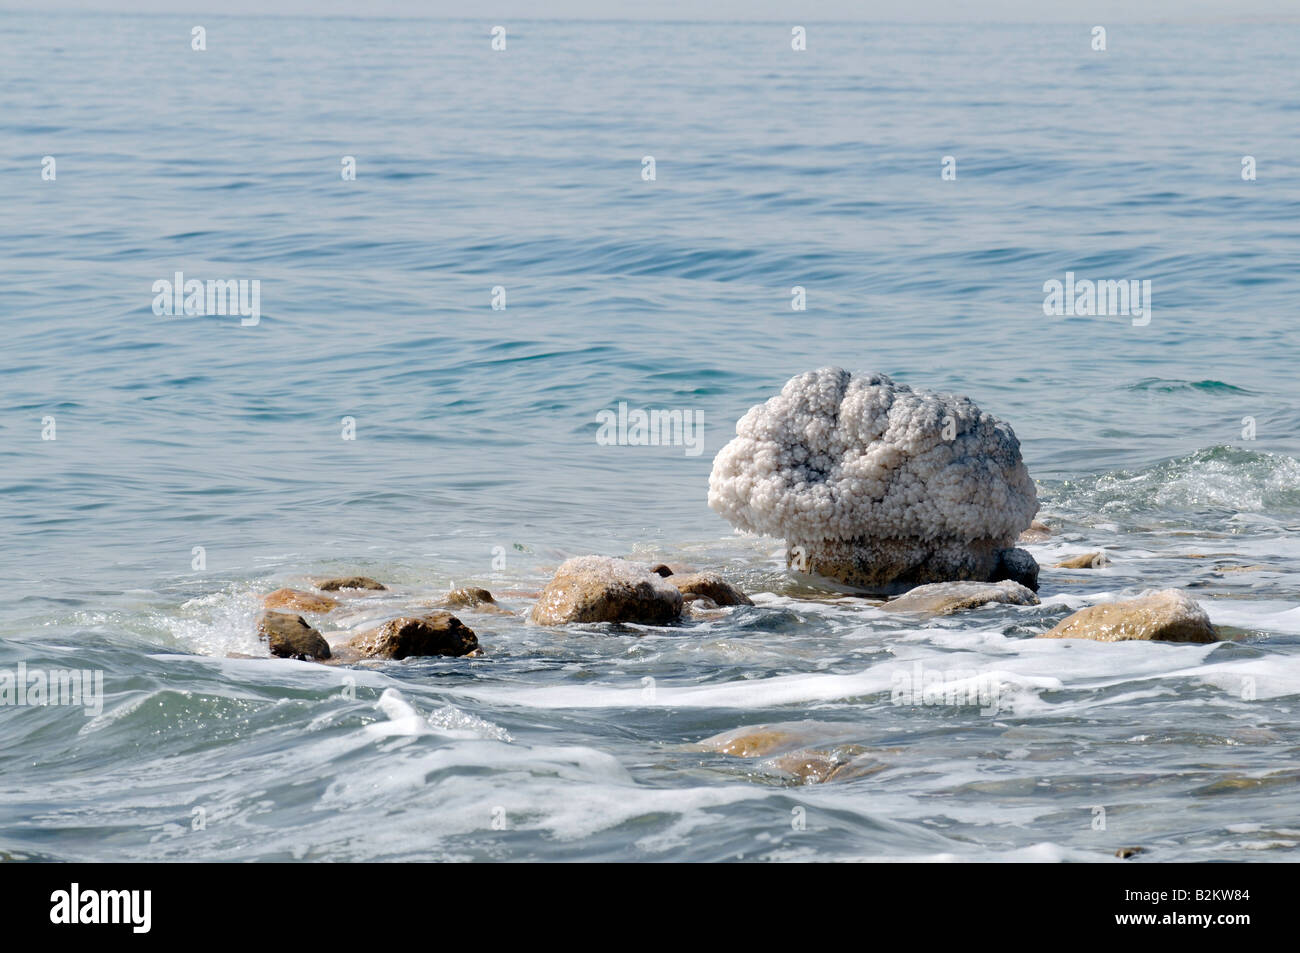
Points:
point(1226, 18)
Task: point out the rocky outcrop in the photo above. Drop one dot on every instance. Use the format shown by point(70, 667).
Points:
point(438, 633)
point(944, 598)
point(602, 589)
point(298, 601)
point(1168, 615)
point(878, 486)
point(349, 582)
point(711, 586)
point(289, 636)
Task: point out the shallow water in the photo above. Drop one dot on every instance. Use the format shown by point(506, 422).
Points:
point(475, 459)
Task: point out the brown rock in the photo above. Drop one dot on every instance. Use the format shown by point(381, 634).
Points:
point(438, 633)
point(810, 767)
point(787, 748)
point(298, 601)
point(1124, 853)
point(755, 741)
point(1038, 532)
point(661, 570)
point(858, 767)
point(711, 586)
point(601, 589)
point(889, 566)
point(1168, 615)
point(945, 598)
point(349, 582)
point(750, 742)
point(1085, 561)
point(702, 607)
point(289, 636)
point(468, 596)
point(813, 766)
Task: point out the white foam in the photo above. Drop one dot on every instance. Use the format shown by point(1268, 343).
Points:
point(1269, 615)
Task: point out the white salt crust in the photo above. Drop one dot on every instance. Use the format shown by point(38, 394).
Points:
point(838, 457)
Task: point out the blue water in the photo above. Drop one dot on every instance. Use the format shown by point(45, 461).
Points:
point(475, 427)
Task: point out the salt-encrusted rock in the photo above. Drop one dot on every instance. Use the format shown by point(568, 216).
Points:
point(874, 484)
point(1167, 615)
point(712, 586)
point(349, 582)
point(603, 589)
point(1084, 561)
point(1038, 532)
point(438, 633)
point(289, 636)
point(298, 601)
point(944, 598)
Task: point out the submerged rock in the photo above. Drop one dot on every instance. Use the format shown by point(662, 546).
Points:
point(349, 582)
point(603, 589)
point(878, 486)
point(289, 636)
point(944, 598)
point(1038, 532)
point(809, 751)
point(843, 763)
point(702, 607)
point(1084, 561)
point(750, 741)
point(712, 586)
point(1167, 615)
point(299, 601)
point(756, 741)
point(438, 633)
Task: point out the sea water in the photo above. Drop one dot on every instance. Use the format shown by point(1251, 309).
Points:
point(441, 337)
